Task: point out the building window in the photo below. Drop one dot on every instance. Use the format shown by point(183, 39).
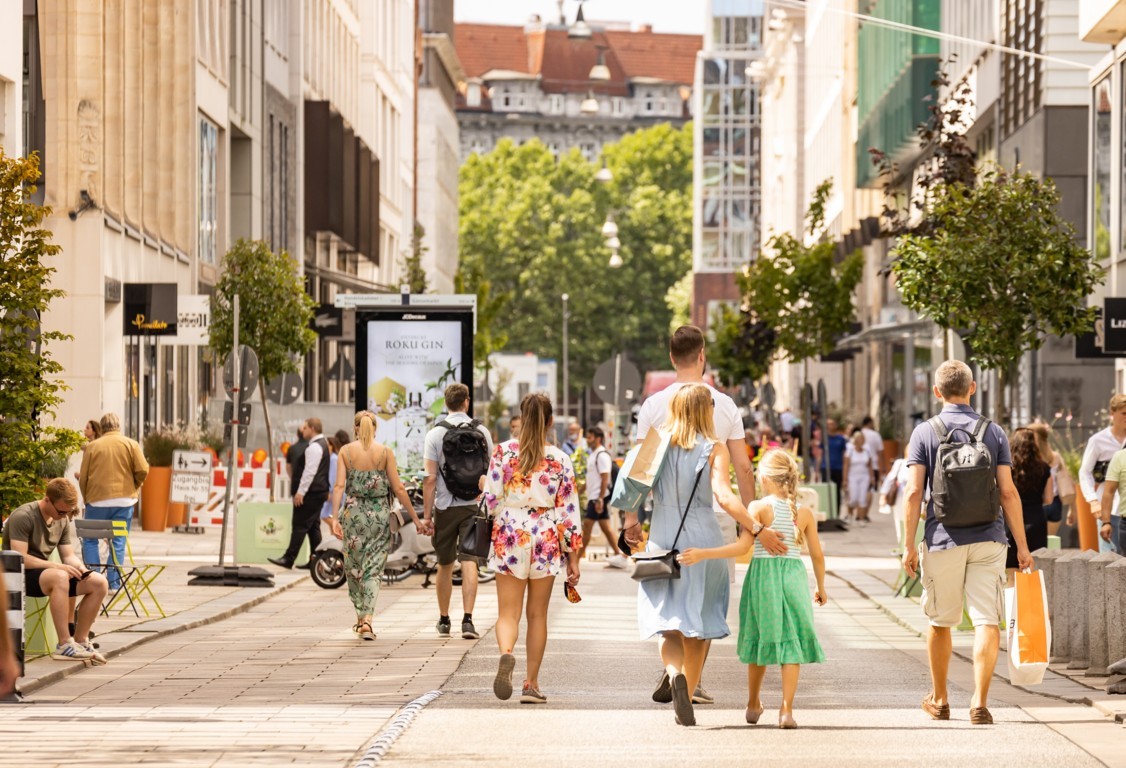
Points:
point(617, 106)
point(554, 148)
point(648, 103)
point(589, 150)
point(1101, 173)
point(555, 104)
point(208, 190)
point(473, 94)
point(1021, 75)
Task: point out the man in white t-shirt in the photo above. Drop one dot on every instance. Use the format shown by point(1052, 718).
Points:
point(687, 354)
point(599, 465)
point(875, 444)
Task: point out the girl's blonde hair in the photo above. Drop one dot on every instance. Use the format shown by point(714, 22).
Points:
point(364, 424)
point(535, 415)
point(691, 414)
point(781, 469)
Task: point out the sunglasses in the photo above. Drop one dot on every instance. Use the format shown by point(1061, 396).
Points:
point(61, 512)
point(571, 593)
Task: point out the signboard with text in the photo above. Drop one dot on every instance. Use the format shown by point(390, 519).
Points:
point(1114, 325)
point(405, 359)
point(150, 309)
point(191, 477)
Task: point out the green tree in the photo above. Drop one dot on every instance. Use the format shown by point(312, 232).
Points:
point(742, 346)
point(678, 298)
point(274, 315)
point(1000, 266)
point(489, 337)
point(802, 292)
point(531, 226)
point(30, 389)
point(413, 273)
point(983, 251)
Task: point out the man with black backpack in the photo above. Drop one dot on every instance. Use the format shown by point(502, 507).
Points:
point(963, 462)
point(456, 458)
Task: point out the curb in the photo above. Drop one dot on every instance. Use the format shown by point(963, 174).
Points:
point(1085, 700)
point(143, 636)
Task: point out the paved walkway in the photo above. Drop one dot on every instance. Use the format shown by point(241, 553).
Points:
point(286, 682)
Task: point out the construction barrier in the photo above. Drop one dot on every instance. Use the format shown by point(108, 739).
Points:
point(11, 565)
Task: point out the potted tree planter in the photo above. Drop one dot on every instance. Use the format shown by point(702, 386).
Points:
point(157, 512)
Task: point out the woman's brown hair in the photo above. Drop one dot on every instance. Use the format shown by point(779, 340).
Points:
point(535, 416)
point(95, 427)
point(1026, 459)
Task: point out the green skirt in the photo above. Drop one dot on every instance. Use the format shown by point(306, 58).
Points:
point(776, 614)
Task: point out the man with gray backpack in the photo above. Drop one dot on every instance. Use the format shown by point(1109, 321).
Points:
point(962, 462)
point(455, 458)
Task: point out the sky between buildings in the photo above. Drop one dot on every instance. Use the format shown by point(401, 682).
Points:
point(677, 16)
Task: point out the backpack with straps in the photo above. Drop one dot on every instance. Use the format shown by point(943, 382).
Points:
point(964, 485)
point(465, 459)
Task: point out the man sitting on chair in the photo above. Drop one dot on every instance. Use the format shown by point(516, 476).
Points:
point(36, 530)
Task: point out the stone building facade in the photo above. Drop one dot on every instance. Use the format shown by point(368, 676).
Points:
point(543, 81)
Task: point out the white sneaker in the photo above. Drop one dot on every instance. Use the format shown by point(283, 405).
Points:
point(71, 651)
point(95, 657)
point(616, 561)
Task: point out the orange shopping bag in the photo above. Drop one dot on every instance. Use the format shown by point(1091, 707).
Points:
point(1030, 629)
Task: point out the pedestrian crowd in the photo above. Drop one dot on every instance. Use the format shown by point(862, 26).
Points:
point(538, 504)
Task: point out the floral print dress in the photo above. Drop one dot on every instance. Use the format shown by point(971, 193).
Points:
point(365, 519)
point(535, 517)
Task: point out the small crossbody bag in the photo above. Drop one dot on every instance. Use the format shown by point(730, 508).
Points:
point(661, 563)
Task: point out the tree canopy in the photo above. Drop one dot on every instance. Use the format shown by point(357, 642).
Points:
point(801, 293)
point(531, 226)
point(30, 389)
point(274, 314)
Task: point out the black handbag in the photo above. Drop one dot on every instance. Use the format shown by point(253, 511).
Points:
point(661, 563)
point(478, 539)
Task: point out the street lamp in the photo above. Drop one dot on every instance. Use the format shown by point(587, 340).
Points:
point(590, 104)
point(609, 228)
point(615, 259)
point(600, 71)
point(566, 364)
point(604, 175)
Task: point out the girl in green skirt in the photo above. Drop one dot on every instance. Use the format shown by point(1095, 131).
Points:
point(775, 614)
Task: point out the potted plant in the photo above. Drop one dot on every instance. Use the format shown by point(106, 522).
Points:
point(157, 512)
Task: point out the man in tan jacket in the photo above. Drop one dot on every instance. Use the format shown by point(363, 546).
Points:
point(113, 468)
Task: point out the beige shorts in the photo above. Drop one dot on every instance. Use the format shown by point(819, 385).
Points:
point(973, 574)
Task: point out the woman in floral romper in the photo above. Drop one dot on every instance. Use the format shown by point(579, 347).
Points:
point(365, 479)
point(530, 492)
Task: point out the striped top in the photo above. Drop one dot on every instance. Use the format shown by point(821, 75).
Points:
point(783, 525)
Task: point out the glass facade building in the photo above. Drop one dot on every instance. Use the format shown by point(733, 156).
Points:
point(728, 135)
point(895, 71)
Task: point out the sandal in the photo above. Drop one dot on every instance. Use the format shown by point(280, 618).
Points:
point(363, 629)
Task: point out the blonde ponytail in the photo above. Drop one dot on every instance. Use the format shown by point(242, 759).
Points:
point(779, 466)
point(365, 428)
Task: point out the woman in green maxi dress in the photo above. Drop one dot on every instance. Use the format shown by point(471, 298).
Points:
point(366, 478)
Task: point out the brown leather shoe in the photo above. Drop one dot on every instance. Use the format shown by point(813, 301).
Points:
point(981, 716)
point(934, 710)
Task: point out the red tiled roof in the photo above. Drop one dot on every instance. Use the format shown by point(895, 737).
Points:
point(649, 54)
point(482, 47)
point(564, 64)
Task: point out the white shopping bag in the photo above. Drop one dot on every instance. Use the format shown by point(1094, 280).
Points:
point(1030, 629)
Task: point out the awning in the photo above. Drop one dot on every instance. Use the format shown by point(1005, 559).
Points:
point(889, 332)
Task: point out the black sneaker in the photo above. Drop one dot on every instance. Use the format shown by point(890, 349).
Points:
point(663, 693)
point(443, 627)
point(468, 631)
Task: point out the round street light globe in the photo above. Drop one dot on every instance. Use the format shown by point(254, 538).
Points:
point(589, 105)
point(609, 228)
point(613, 243)
point(615, 260)
point(604, 175)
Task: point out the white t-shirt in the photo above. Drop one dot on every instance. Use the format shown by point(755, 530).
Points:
point(875, 443)
point(596, 466)
point(432, 451)
point(655, 412)
point(859, 458)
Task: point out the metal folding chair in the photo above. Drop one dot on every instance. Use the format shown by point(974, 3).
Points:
point(102, 530)
point(144, 574)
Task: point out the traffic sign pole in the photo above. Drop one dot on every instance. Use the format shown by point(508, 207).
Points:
point(232, 451)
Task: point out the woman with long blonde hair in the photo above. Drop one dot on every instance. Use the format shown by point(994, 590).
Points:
point(688, 612)
point(530, 493)
point(775, 614)
point(366, 478)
